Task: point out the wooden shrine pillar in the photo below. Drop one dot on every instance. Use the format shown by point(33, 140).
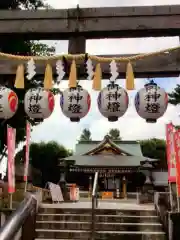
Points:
point(77, 45)
point(124, 187)
point(90, 186)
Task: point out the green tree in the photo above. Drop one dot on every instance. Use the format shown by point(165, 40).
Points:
point(45, 157)
point(85, 136)
point(20, 47)
point(174, 96)
point(114, 134)
point(17, 4)
point(155, 148)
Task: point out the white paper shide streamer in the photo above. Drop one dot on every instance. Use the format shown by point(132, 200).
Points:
point(89, 68)
point(60, 71)
point(113, 71)
point(3, 167)
point(31, 69)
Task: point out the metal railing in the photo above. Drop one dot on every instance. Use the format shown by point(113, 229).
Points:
point(22, 218)
point(94, 204)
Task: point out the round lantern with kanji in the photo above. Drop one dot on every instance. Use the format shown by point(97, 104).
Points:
point(75, 103)
point(113, 102)
point(39, 103)
point(151, 102)
point(8, 103)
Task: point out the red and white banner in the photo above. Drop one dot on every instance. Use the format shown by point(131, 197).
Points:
point(170, 150)
point(177, 155)
point(28, 136)
point(11, 145)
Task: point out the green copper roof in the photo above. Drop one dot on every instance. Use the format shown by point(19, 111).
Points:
point(84, 154)
point(131, 147)
point(109, 160)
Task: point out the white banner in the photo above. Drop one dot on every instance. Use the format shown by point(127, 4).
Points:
point(26, 165)
point(3, 167)
point(11, 145)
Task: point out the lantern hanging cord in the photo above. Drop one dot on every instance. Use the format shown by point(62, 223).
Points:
point(83, 56)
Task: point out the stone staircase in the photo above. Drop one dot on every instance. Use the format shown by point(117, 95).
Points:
point(73, 223)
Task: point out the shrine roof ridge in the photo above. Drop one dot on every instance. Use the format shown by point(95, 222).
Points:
point(111, 161)
point(115, 141)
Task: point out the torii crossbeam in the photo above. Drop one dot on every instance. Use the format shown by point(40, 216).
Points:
point(77, 25)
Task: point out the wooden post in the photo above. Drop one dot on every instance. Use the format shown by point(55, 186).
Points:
point(124, 187)
point(29, 226)
point(90, 186)
point(77, 45)
point(10, 200)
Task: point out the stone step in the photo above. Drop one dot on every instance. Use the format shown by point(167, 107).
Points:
point(129, 212)
point(99, 218)
point(106, 235)
point(106, 226)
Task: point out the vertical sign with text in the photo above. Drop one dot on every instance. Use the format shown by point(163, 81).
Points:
point(26, 165)
point(11, 145)
point(171, 161)
point(177, 154)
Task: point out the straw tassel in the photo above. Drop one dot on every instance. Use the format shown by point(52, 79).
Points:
point(97, 78)
point(19, 81)
point(129, 77)
point(73, 75)
point(48, 77)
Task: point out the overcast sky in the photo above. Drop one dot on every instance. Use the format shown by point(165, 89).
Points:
point(131, 126)
point(100, 3)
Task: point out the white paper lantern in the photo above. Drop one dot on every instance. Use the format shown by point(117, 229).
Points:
point(113, 102)
point(151, 102)
point(39, 103)
point(8, 103)
point(75, 103)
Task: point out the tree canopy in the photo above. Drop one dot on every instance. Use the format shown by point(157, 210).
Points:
point(45, 157)
point(174, 96)
point(85, 136)
point(155, 148)
point(22, 47)
point(114, 134)
point(17, 4)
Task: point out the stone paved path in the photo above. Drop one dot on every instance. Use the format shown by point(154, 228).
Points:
point(131, 205)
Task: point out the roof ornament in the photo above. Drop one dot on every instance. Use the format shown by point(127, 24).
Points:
point(107, 137)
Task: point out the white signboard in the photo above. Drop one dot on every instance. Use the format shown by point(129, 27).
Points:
point(56, 192)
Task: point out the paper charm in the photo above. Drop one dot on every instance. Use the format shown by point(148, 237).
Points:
point(31, 72)
point(113, 71)
point(89, 68)
point(60, 71)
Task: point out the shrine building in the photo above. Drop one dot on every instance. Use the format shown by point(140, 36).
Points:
point(121, 165)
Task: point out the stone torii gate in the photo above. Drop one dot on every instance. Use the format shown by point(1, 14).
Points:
point(77, 25)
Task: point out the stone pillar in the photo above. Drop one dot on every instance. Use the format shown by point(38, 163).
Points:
point(147, 194)
point(62, 184)
point(175, 217)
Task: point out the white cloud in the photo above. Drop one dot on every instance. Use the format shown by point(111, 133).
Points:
point(131, 126)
